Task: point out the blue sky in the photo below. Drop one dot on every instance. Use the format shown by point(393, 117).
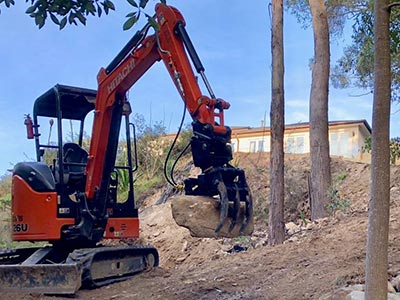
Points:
point(232, 39)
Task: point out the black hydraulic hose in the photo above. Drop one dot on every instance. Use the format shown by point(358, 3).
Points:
point(132, 44)
point(171, 180)
point(177, 159)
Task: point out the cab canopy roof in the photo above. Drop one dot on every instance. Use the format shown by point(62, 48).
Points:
point(65, 102)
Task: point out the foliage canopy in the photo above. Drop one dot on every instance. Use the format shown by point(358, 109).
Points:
point(355, 67)
point(63, 12)
point(394, 146)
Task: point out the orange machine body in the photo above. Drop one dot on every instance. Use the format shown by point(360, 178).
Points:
point(34, 217)
point(34, 214)
point(120, 228)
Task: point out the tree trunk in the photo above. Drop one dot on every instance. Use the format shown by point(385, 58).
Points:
point(379, 206)
point(319, 140)
point(276, 223)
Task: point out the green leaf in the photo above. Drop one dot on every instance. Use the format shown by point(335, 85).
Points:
point(133, 3)
point(90, 8)
point(99, 11)
point(71, 18)
point(81, 17)
point(54, 19)
point(110, 5)
point(39, 20)
point(106, 8)
point(143, 3)
point(129, 23)
point(163, 1)
point(131, 14)
point(30, 9)
point(63, 22)
point(153, 22)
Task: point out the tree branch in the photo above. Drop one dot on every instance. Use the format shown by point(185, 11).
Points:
point(389, 7)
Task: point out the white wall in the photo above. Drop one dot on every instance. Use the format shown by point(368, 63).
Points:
point(344, 141)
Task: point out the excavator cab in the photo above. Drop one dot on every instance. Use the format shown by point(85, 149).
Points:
point(62, 149)
point(52, 183)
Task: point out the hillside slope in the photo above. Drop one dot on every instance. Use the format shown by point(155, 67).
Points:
point(316, 259)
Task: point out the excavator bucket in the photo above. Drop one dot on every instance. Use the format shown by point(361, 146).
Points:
point(45, 278)
point(217, 204)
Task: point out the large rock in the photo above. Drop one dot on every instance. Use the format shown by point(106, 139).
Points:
point(201, 216)
point(356, 292)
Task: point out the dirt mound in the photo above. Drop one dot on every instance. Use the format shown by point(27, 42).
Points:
point(316, 259)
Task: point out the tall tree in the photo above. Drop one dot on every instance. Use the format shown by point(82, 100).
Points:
point(276, 223)
point(319, 139)
point(378, 225)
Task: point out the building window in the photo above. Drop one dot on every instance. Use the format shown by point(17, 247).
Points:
point(260, 147)
point(334, 144)
point(339, 144)
point(295, 145)
point(344, 143)
point(252, 146)
point(300, 144)
point(290, 145)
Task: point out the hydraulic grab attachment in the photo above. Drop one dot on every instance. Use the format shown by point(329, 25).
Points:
point(210, 143)
point(211, 151)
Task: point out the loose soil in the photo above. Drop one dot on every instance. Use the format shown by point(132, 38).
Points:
point(316, 259)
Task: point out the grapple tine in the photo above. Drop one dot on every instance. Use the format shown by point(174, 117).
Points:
point(236, 209)
point(224, 201)
point(248, 213)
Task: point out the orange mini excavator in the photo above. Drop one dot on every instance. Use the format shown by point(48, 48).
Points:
point(72, 201)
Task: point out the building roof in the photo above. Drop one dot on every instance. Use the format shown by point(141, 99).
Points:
point(302, 125)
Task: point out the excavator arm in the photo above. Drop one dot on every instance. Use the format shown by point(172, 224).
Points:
point(210, 143)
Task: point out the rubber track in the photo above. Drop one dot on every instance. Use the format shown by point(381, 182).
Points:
point(85, 258)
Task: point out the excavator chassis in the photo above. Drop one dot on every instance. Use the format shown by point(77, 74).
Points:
point(37, 270)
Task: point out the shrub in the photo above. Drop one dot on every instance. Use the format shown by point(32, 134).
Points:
point(394, 145)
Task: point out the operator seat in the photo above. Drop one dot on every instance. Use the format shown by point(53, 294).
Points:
point(74, 159)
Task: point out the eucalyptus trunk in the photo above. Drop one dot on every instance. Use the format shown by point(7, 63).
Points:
point(319, 139)
point(276, 223)
point(379, 206)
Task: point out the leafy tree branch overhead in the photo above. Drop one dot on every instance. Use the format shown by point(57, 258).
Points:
point(355, 67)
point(63, 12)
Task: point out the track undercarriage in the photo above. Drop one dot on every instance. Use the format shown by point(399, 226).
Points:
point(54, 270)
